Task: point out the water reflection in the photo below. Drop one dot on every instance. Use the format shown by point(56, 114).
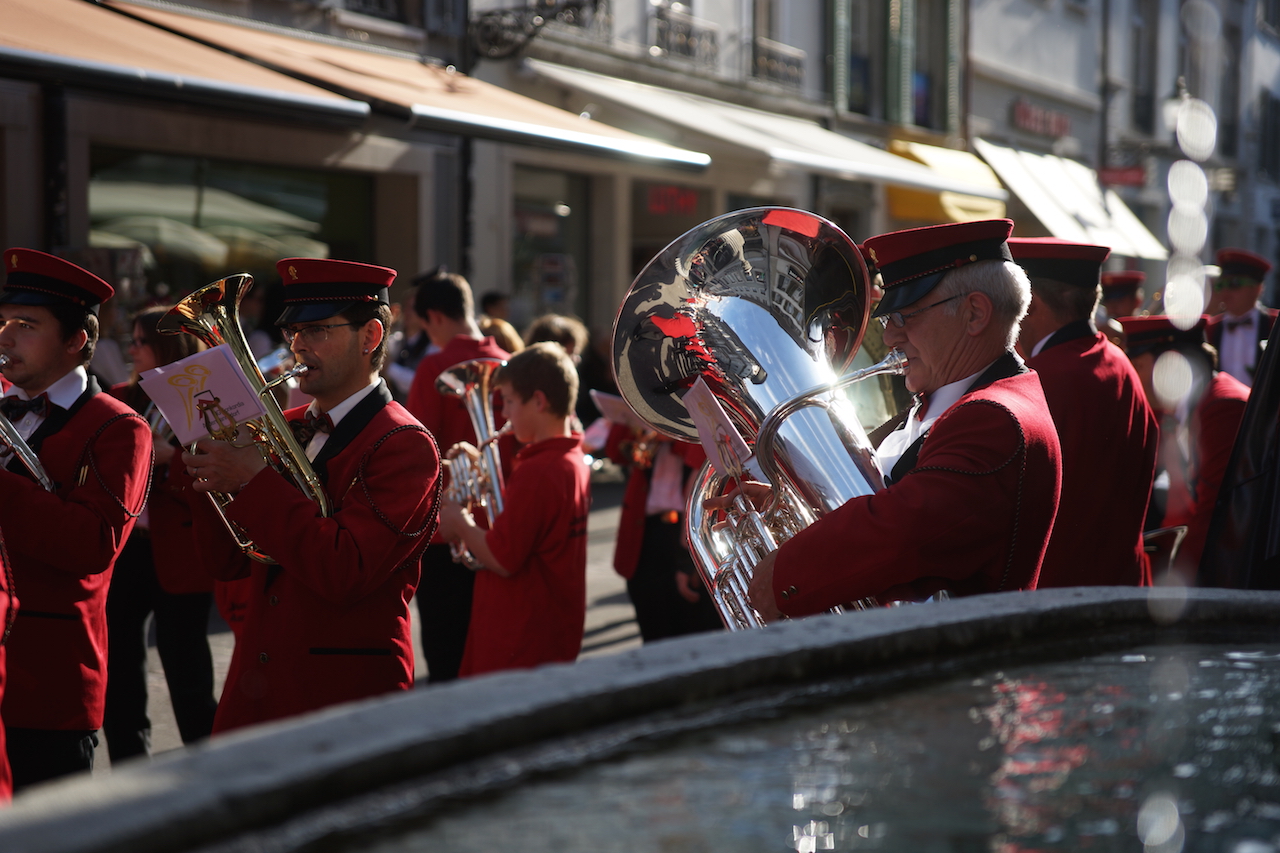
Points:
point(1165, 749)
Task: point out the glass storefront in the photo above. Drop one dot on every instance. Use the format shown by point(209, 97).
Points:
point(550, 255)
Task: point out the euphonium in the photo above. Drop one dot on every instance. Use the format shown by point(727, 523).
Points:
point(211, 314)
point(474, 483)
point(768, 306)
point(9, 436)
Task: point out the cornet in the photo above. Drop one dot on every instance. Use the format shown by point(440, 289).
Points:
point(9, 435)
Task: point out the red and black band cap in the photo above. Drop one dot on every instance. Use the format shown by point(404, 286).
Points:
point(1077, 264)
point(1120, 283)
point(1241, 262)
point(1157, 333)
point(38, 278)
point(317, 289)
point(912, 262)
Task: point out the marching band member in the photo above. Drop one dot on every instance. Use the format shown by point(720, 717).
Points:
point(1104, 421)
point(972, 473)
point(1240, 331)
point(530, 602)
point(64, 543)
point(159, 573)
point(445, 307)
point(330, 622)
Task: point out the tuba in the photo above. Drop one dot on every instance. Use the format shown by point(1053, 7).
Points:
point(10, 437)
point(768, 306)
point(475, 483)
point(211, 314)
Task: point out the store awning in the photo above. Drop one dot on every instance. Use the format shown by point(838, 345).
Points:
point(1065, 196)
point(911, 205)
point(428, 95)
point(81, 44)
point(789, 141)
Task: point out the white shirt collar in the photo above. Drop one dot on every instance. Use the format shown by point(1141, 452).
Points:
point(340, 411)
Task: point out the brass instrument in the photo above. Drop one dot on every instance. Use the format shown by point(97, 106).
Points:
point(768, 306)
point(9, 436)
point(211, 314)
point(474, 483)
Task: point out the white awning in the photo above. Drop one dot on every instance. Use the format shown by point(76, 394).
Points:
point(1067, 199)
point(794, 142)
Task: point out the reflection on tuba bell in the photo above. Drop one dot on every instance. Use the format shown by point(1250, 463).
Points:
point(474, 483)
point(768, 306)
point(211, 314)
point(10, 437)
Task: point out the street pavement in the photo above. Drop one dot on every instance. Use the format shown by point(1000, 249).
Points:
point(610, 627)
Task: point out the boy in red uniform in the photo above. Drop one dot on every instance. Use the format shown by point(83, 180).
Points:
point(530, 600)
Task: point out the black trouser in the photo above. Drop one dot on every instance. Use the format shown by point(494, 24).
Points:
point(181, 639)
point(444, 610)
point(661, 611)
point(38, 755)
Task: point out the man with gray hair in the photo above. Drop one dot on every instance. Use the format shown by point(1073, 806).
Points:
point(973, 471)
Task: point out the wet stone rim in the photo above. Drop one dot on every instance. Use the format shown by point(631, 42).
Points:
point(374, 763)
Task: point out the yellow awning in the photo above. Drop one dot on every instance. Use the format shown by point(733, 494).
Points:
point(912, 205)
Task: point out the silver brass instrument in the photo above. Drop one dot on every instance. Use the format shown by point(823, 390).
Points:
point(768, 306)
point(10, 436)
point(211, 314)
point(475, 483)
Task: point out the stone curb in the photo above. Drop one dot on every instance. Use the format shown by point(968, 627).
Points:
point(269, 774)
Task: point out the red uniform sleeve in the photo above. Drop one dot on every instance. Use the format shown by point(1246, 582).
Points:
point(939, 521)
point(381, 519)
point(527, 515)
point(1219, 424)
point(81, 528)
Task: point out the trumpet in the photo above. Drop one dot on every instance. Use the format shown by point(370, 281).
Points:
point(211, 314)
point(9, 436)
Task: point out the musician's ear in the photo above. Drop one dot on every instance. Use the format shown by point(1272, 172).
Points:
point(980, 309)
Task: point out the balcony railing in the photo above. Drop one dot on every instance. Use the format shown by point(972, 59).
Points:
point(777, 63)
point(674, 33)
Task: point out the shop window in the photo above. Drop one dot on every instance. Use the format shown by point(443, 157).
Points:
point(550, 257)
point(196, 220)
point(867, 39)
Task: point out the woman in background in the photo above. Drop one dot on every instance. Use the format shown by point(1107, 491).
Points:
point(159, 572)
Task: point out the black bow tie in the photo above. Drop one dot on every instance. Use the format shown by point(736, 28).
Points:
point(1242, 321)
point(15, 408)
point(306, 429)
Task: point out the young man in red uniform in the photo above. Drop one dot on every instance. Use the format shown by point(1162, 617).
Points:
point(1122, 293)
point(1106, 428)
point(530, 601)
point(974, 470)
point(1240, 332)
point(63, 543)
point(330, 622)
point(1201, 417)
point(444, 305)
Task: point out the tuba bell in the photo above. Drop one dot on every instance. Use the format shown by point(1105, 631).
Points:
point(10, 437)
point(768, 306)
point(474, 483)
point(212, 314)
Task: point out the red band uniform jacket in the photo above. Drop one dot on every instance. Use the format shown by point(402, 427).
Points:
point(63, 545)
point(1194, 482)
point(1109, 438)
point(330, 623)
point(8, 612)
point(971, 513)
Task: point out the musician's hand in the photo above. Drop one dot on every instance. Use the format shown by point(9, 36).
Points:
point(757, 494)
point(453, 520)
point(462, 447)
point(220, 467)
point(761, 591)
point(689, 587)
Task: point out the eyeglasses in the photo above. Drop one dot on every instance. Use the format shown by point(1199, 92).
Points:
point(899, 319)
point(1232, 282)
point(312, 334)
point(137, 342)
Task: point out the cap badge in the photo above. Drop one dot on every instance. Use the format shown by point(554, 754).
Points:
point(293, 272)
point(874, 259)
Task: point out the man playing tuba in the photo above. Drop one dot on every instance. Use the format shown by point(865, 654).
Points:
point(972, 471)
point(330, 622)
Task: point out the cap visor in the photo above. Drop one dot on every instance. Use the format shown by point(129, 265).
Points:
point(899, 297)
point(310, 312)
